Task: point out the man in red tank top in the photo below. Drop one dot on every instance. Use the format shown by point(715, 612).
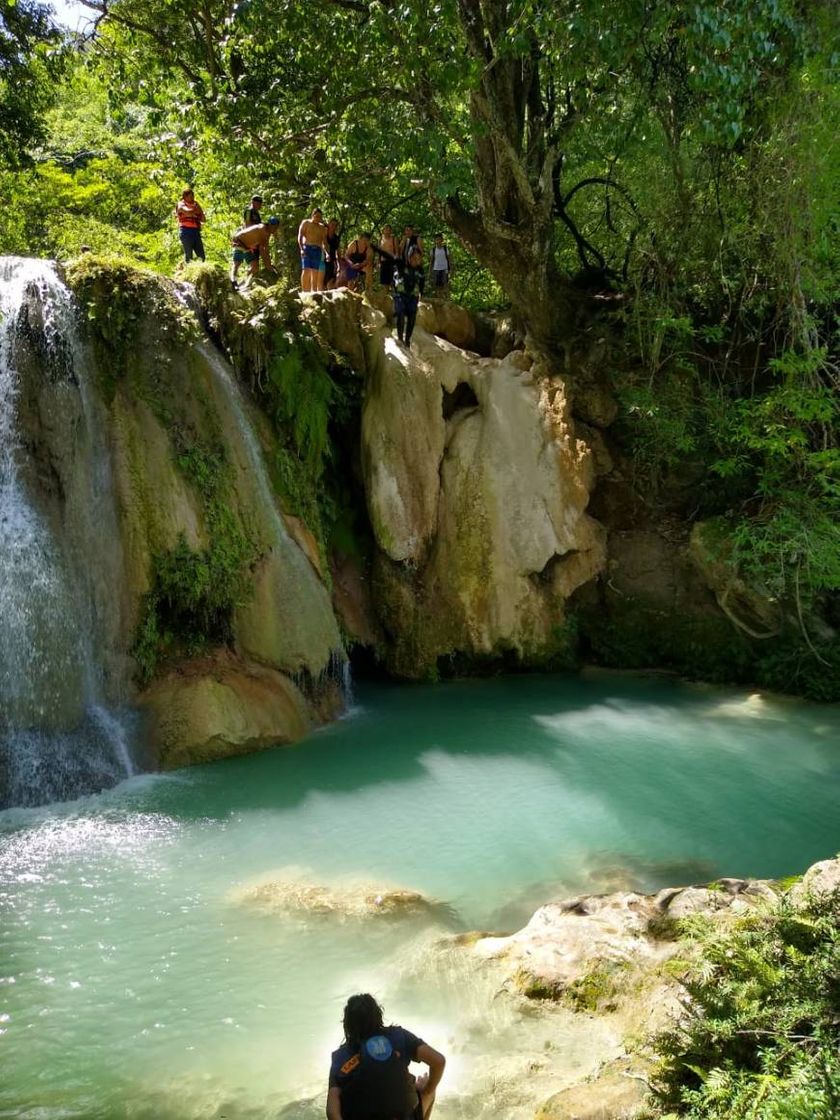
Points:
point(190, 220)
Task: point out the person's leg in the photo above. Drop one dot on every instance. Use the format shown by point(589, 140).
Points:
point(199, 246)
point(399, 314)
point(410, 317)
point(186, 243)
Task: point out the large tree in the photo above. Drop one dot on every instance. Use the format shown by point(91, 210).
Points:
point(534, 125)
point(29, 56)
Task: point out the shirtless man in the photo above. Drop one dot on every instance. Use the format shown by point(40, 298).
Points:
point(251, 244)
point(312, 239)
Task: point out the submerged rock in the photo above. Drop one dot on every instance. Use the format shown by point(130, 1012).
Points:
point(296, 897)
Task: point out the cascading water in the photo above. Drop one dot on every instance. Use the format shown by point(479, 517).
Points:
point(58, 739)
point(337, 670)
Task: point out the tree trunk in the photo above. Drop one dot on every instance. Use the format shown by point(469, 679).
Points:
point(512, 231)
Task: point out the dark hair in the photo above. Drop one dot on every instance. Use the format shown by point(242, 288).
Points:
point(256, 198)
point(362, 1018)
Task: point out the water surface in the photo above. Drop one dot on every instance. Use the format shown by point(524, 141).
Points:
point(134, 981)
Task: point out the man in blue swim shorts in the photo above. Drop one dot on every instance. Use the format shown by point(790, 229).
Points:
point(312, 240)
point(250, 245)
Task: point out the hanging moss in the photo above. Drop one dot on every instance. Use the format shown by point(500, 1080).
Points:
point(193, 592)
point(118, 300)
point(309, 394)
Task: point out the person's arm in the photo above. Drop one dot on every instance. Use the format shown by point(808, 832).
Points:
point(334, 1103)
point(265, 254)
point(436, 1063)
point(300, 235)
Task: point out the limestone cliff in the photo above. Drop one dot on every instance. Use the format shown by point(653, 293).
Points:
point(141, 456)
point(476, 487)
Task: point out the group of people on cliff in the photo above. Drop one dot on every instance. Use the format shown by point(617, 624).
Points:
point(325, 265)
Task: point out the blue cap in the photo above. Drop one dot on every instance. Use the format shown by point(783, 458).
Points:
point(272, 221)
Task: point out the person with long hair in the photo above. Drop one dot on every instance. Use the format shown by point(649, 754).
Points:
point(369, 1075)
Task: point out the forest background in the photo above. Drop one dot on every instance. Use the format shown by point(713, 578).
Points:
point(674, 163)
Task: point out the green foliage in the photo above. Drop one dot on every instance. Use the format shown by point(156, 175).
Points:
point(193, 592)
point(309, 394)
point(633, 636)
point(760, 1036)
point(30, 59)
point(597, 989)
point(118, 297)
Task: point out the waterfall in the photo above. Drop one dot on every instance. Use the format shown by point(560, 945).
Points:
point(299, 582)
point(58, 737)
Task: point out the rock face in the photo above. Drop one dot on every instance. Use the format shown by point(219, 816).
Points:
point(565, 940)
point(217, 708)
point(147, 470)
point(476, 487)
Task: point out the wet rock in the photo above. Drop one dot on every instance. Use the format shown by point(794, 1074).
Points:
point(299, 898)
point(214, 708)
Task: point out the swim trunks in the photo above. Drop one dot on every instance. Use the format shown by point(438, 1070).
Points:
point(247, 255)
point(312, 256)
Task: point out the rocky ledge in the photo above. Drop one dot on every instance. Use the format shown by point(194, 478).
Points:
point(619, 957)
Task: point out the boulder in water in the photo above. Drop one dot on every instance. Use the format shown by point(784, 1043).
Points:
point(297, 897)
point(216, 707)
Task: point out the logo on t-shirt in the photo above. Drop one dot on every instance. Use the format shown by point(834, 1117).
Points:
point(379, 1048)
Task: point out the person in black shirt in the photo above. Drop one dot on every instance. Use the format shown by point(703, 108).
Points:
point(408, 286)
point(251, 214)
point(369, 1074)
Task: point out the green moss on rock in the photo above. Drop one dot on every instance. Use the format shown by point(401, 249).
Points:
point(119, 299)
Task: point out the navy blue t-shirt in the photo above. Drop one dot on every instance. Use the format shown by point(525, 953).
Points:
point(346, 1059)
